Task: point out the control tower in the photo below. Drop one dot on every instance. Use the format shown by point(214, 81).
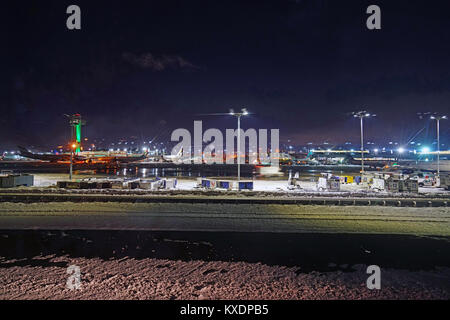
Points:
point(76, 122)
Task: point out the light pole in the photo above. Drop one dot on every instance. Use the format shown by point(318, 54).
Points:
point(438, 118)
point(361, 115)
point(243, 112)
point(72, 150)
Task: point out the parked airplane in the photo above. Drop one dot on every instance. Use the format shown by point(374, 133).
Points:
point(172, 157)
point(177, 158)
point(49, 156)
point(88, 156)
point(112, 157)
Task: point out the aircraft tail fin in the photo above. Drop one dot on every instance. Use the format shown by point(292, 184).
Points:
point(23, 150)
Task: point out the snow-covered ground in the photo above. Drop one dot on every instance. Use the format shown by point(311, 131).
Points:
point(186, 184)
point(129, 278)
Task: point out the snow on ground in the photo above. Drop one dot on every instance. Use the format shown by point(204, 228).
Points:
point(50, 179)
point(129, 278)
point(187, 184)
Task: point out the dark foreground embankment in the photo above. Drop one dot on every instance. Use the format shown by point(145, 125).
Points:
point(218, 265)
point(308, 252)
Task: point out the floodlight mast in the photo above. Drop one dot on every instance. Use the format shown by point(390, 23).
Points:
point(361, 115)
point(243, 112)
point(438, 118)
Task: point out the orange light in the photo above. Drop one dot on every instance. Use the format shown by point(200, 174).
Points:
point(74, 146)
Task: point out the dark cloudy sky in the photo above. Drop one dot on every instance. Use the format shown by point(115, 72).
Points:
point(137, 67)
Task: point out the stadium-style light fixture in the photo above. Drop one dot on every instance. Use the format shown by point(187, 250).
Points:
point(361, 115)
point(438, 118)
point(425, 150)
point(243, 112)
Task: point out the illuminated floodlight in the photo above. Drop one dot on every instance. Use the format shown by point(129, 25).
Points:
point(425, 150)
point(361, 115)
point(400, 150)
point(438, 118)
point(238, 115)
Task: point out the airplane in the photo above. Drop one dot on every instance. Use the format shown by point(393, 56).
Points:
point(373, 162)
point(172, 157)
point(49, 156)
point(118, 158)
point(87, 157)
point(176, 158)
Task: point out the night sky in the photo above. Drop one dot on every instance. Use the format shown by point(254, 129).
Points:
point(144, 68)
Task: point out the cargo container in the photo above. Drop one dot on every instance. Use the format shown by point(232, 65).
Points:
point(245, 185)
point(225, 184)
point(378, 184)
point(445, 181)
point(392, 184)
point(328, 184)
point(11, 180)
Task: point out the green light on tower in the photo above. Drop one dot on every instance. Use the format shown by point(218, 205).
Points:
point(76, 122)
point(78, 136)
